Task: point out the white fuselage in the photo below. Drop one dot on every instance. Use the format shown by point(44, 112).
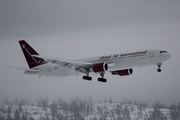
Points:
point(115, 62)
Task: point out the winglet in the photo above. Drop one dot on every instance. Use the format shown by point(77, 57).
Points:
point(28, 52)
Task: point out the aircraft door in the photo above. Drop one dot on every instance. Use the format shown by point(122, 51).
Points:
point(151, 54)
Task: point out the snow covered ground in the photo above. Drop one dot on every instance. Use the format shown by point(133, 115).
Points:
point(110, 111)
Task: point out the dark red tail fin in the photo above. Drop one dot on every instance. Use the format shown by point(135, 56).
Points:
point(28, 52)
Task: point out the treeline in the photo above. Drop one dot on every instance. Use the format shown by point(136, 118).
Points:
point(78, 109)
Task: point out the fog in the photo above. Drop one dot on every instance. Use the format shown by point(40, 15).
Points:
point(80, 29)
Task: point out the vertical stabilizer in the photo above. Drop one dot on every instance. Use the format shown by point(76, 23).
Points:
point(28, 52)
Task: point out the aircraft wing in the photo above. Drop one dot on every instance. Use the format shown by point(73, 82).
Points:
point(83, 67)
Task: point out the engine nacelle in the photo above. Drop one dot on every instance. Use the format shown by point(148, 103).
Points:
point(123, 72)
point(100, 67)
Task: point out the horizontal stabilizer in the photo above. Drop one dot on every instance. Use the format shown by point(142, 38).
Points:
point(25, 69)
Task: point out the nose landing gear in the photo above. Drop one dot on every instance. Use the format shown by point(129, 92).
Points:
point(159, 67)
point(158, 70)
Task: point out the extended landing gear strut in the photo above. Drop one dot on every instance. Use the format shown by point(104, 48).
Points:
point(102, 79)
point(159, 67)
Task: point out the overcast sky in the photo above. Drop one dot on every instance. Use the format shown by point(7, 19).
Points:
point(78, 29)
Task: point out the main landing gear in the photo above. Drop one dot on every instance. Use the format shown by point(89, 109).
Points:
point(87, 78)
point(100, 79)
point(159, 67)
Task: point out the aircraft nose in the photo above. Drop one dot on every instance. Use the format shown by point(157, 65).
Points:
point(169, 56)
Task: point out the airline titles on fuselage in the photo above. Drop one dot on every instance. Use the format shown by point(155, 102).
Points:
point(123, 55)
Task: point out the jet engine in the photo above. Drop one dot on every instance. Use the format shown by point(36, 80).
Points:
point(100, 67)
point(122, 72)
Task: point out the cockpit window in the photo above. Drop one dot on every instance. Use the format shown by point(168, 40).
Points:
point(163, 51)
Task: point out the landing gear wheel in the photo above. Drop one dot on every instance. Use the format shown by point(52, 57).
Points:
point(102, 80)
point(87, 78)
point(158, 70)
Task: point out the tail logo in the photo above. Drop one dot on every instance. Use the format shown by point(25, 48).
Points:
point(24, 47)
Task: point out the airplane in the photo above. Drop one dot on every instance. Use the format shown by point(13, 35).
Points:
point(121, 64)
